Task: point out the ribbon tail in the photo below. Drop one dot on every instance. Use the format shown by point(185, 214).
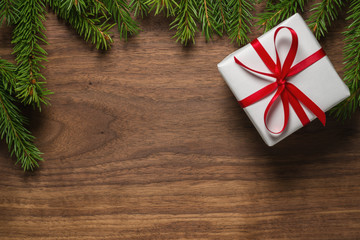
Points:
point(307, 102)
point(253, 98)
point(298, 109)
point(285, 101)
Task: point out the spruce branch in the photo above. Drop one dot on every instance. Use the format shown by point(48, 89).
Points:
point(352, 64)
point(90, 21)
point(205, 18)
point(269, 2)
point(209, 19)
point(238, 20)
point(27, 35)
point(120, 12)
point(166, 6)
point(18, 138)
point(278, 12)
point(8, 76)
point(323, 14)
point(219, 12)
point(139, 7)
point(185, 22)
point(79, 5)
point(8, 12)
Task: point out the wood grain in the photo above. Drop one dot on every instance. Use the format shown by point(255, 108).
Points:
point(146, 141)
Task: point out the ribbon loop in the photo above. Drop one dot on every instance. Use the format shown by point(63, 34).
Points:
point(289, 93)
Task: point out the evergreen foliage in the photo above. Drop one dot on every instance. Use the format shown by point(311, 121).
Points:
point(139, 8)
point(238, 19)
point(324, 13)
point(207, 18)
point(27, 37)
point(184, 22)
point(352, 64)
point(120, 12)
point(88, 18)
point(18, 138)
point(166, 6)
point(219, 10)
point(278, 12)
point(8, 11)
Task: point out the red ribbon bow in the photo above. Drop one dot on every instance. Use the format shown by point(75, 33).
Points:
point(288, 92)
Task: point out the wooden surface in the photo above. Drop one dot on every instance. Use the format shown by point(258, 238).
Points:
point(146, 141)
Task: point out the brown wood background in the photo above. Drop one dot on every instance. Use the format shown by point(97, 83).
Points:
point(146, 141)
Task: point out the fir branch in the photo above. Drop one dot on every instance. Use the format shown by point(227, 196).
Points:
point(18, 138)
point(79, 5)
point(120, 12)
point(268, 2)
point(139, 7)
point(352, 64)
point(8, 12)
point(206, 18)
point(185, 22)
point(211, 18)
point(219, 11)
point(8, 76)
point(324, 13)
point(276, 13)
point(90, 21)
point(166, 6)
point(239, 17)
point(27, 35)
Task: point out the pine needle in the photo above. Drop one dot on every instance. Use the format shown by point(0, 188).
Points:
point(323, 14)
point(209, 18)
point(120, 12)
point(238, 20)
point(166, 6)
point(27, 36)
point(184, 22)
point(278, 12)
point(139, 7)
point(8, 12)
point(220, 14)
point(89, 19)
point(352, 64)
point(18, 138)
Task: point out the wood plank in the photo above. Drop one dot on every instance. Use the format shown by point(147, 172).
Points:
point(146, 141)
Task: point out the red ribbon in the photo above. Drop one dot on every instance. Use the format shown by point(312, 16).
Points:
point(288, 92)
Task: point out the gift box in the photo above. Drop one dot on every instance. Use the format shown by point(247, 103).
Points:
point(283, 80)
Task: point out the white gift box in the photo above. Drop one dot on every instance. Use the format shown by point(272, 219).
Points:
point(319, 82)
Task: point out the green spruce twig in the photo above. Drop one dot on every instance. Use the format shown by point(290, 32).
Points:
point(323, 14)
point(139, 7)
point(278, 12)
point(184, 22)
point(18, 138)
point(27, 36)
point(8, 12)
point(209, 19)
point(120, 12)
point(238, 19)
point(89, 19)
point(8, 76)
point(220, 14)
point(352, 64)
point(166, 6)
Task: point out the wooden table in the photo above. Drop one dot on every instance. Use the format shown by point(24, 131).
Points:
point(146, 141)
